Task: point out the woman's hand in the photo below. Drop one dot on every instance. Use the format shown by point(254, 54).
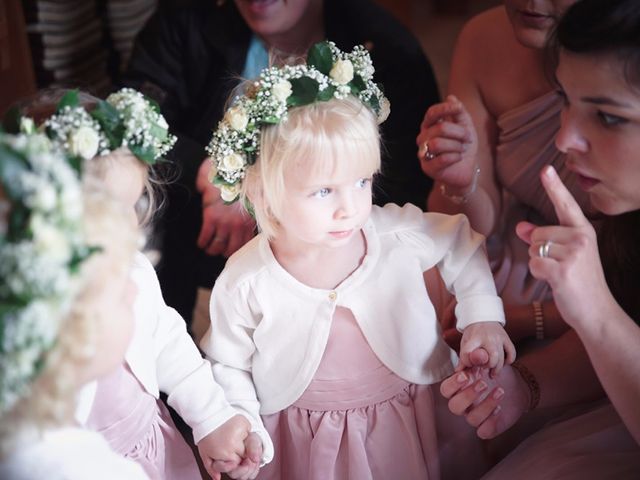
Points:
point(447, 144)
point(491, 405)
point(566, 256)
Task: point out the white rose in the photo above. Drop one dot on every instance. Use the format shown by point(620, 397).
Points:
point(44, 198)
point(51, 241)
point(385, 110)
point(229, 192)
point(27, 125)
point(237, 118)
point(70, 203)
point(232, 163)
point(342, 72)
point(84, 142)
point(281, 90)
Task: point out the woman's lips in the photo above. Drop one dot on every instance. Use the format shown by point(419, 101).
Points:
point(535, 20)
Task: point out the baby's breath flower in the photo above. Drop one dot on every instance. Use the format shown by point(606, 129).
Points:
point(36, 260)
point(235, 143)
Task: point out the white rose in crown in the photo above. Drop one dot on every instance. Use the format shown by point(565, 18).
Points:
point(232, 163)
point(385, 110)
point(342, 72)
point(237, 118)
point(281, 90)
point(51, 241)
point(44, 198)
point(84, 142)
point(229, 193)
point(27, 125)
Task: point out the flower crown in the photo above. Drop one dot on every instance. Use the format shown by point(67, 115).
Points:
point(329, 73)
point(125, 119)
point(41, 248)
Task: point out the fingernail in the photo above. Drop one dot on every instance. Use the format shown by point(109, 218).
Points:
point(499, 392)
point(496, 410)
point(462, 377)
point(480, 386)
point(548, 171)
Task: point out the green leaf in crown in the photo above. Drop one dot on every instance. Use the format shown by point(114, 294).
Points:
point(304, 91)
point(69, 99)
point(320, 57)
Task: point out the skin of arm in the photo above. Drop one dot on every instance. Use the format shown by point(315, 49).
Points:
point(465, 82)
point(521, 322)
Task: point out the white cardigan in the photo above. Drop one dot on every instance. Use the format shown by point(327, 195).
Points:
point(164, 358)
point(269, 331)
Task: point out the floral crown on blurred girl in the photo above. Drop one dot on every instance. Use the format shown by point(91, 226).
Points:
point(125, 119)
point(42, 245)
point(329, 73)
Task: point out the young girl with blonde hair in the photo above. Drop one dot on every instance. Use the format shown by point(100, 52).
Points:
point(119, 141)
point(66, 311)
point(322, 331)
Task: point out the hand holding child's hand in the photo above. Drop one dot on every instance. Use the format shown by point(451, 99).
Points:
point(224, 446)
point(485, 344)
point(250, 465)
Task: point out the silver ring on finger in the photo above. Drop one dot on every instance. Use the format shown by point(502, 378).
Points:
point(428, 154)
point(544, 249)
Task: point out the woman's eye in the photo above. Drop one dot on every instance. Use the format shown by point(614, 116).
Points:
point(323, 192)
point(610, 120)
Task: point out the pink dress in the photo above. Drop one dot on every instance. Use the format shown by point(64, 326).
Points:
point(358, 420)
point(139, 426)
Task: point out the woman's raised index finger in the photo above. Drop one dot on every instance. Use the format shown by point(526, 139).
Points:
point(568, 211)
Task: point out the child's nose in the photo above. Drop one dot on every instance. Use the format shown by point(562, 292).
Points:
point(347, 206)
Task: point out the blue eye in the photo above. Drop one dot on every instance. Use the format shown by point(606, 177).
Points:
point(610, 120)
point(322, 193)
point(363, 182)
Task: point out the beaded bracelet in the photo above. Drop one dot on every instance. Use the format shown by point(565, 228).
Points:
point(538, 315)
point(532, 384)
point(461, 199)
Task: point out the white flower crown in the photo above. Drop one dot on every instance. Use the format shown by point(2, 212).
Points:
point(329, 73)
point(41, 248)
point(125, 119)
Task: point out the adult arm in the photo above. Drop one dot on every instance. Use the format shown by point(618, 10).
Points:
point(473, 148)
point(574, 272)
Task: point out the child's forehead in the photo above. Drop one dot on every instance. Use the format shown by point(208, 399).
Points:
point(330, 170)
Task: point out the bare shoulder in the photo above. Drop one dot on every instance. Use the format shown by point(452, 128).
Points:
point(486, 36)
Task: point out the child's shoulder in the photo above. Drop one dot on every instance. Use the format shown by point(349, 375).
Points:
point(244, 266)
point(392, 218)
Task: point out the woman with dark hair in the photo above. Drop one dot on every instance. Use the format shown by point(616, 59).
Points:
point(594, 278)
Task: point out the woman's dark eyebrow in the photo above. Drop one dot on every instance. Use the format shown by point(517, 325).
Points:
point(605, 101)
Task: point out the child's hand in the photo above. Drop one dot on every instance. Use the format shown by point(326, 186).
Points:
point(250, 465)
point(484, 344)
point(225, 446)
